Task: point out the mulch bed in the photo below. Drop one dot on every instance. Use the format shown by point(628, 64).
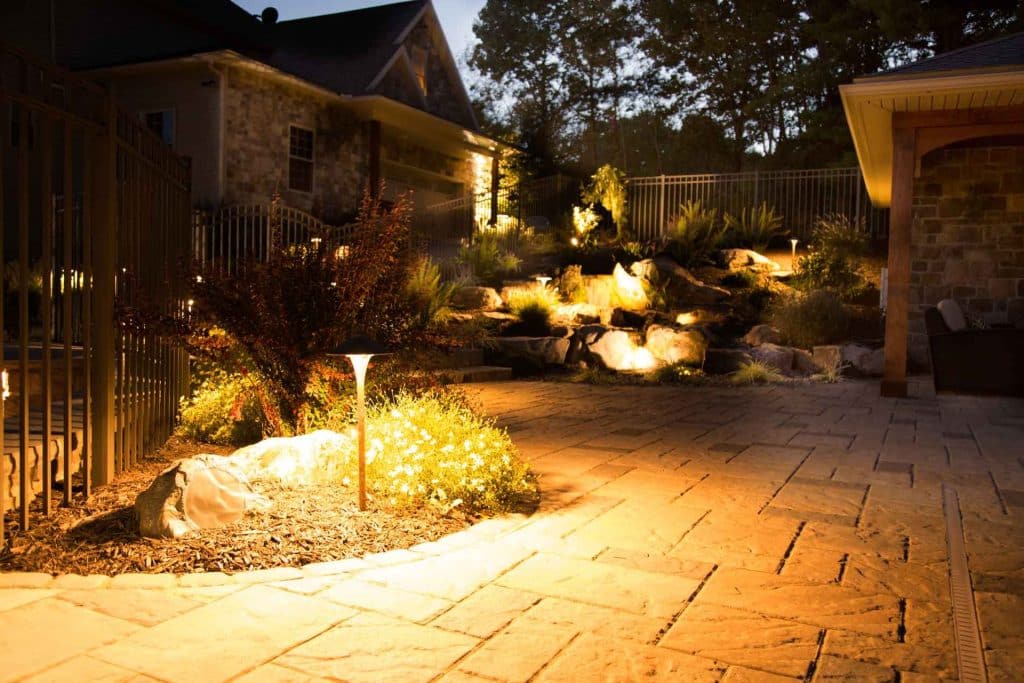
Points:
point(303, 525)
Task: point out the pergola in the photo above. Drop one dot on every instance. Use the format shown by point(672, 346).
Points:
point(897, 117)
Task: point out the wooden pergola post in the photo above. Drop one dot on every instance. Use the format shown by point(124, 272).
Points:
point(894, 382)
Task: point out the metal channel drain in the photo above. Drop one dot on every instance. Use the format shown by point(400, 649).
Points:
point(969, 657)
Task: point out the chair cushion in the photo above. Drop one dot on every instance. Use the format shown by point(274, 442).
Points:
point(952, 315)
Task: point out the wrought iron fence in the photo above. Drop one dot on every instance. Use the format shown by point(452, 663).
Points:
point(227, 239)
point(800, 197)
point(96, 211)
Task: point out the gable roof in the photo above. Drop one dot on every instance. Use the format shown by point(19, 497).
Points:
point(104, 33)
point(1000, 52)
point(343, 52)
point(987, 76)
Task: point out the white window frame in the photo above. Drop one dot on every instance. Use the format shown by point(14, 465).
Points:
point(174, 123)
point(311, 160)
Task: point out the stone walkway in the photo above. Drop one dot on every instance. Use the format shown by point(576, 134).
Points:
point(687, 534)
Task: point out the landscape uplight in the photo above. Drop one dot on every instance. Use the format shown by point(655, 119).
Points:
point(359, 350)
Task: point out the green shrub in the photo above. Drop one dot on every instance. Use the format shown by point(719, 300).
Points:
point(534, 306)
point(811, 319)
point(754, 228)
point(679, 373)
point(571, 285)
point(224, 408)
point(834, 262)
point(607, 187)
point(436, 450)
point(756, 372)
point(486, 259)
point(429, 295)
point(696, 235)
point(741, 279)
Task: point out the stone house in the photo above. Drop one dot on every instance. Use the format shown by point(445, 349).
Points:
point(320, 108)
point(941, 142)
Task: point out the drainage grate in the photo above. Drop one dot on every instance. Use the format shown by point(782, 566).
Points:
point(970, 660)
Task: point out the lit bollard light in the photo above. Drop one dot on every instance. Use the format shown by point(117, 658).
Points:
point(359, 350)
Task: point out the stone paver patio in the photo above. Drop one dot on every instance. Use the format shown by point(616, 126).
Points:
point(685, 534)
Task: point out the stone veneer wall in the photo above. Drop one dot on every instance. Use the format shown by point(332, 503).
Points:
point(968, 236)
point(258, 110)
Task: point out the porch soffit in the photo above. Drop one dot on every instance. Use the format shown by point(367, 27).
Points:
point(874, 105)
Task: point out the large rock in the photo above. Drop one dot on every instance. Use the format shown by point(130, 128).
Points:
point(864, 361)
point(483, 298)
point(297, 460)
point(621, 317)
point(762, 334)
point(724, 361)
point(803, 362)
point(539, 352)
point(609, 348)
point(576, 314)
point(779, 357)
point(672, 346)
point(740, 259)
point(827, 356)
point(684, 288)
point(629, 290)
point(201, 492)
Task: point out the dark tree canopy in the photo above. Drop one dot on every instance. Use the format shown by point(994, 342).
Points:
point(700, 85)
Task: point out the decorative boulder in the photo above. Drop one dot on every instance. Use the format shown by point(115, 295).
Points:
point(201, 492)
point(739, 259)
point(779, 357)
point(577, 314)
point(762, 334)
point(629, 290)
point(683, 286)
point(600, 290)
point(620, 317)
point(484, 298)
point(291, 461)
point(611, 349)
point(672, 346)
point(864, 361)
point(539, 352)
point(724, 361)
point(803, 362)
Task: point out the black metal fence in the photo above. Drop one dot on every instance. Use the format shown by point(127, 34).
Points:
point(94, 213)
point(800, 197)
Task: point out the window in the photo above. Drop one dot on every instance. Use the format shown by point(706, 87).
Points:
point(419, 67)
point(300, 159)
point(161, 123)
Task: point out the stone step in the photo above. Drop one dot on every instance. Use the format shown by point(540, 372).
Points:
point(477, 373)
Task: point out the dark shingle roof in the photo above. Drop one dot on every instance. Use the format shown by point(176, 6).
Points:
point(1000, 52)
point(98, 33)
point(342, 52)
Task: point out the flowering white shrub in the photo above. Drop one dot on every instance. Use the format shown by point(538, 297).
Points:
point(436, 450)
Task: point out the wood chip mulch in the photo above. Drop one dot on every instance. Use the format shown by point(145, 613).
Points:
point(303, 525)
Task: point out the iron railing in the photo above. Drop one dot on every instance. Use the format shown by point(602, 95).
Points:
point(87, 397)
point(227, 239)
point(800, 197)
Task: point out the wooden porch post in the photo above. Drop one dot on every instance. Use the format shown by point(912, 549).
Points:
point(495, 183)
point(894, 382)
point(374, 170)
point(104, 251)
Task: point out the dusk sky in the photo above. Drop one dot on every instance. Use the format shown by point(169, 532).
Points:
point(456, 15)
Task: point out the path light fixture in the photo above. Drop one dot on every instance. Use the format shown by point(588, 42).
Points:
point(543, 280)
point(359, 350)
point(792, 264)
point(316, 242)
